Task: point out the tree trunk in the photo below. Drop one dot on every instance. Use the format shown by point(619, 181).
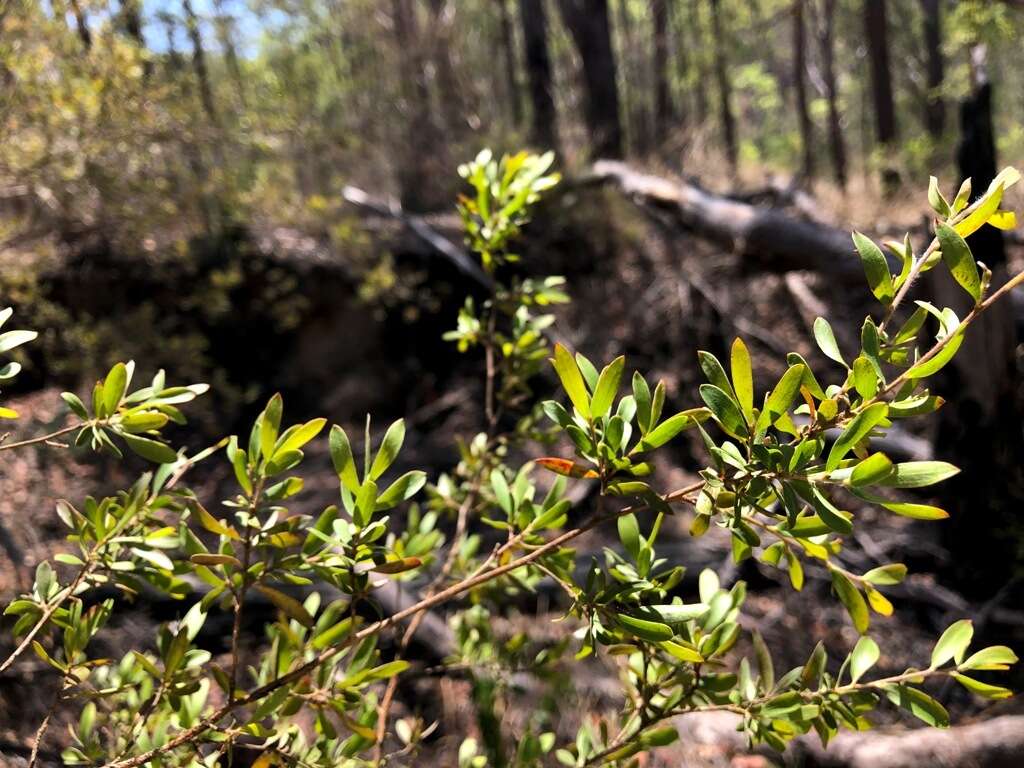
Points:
point(199, 63)
point(422, 161)
point(81, 24)
point(724, 86)
point(877, 34)
point(826, 40)
point(800, 82)
point(533, 19)
point(226, 38)
point(508, 47)
point(662, 95)
point(935, 110)
point(980, 425)
point(450, 94)
point(587, 22)
point(633, 91)
point(681, 63)
point(129, 21)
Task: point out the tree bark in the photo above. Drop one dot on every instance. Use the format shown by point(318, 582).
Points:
point(534, 23)
point(826, 41)
point(453, 106)
point(681, 63)
point(588, 25)
point(225, 36)
point(84, 34)
point(724, 86)
point(935, 109)
point(700, 91)
point(980, 426)
point(877, 35)
point(663, 108)
point(508, 47)
point(800, 83)
point(199, 63)
point(422, 161)
point(767, 239)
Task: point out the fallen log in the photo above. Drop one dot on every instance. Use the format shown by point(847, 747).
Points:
point(766, 238)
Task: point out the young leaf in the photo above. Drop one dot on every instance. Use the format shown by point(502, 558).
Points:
point(287, 605)
point(918, 474)
point(936, 199)
point(671, 427)
point(995, 657)
point(341, 457)
point(572, 380)
point(875, 267)
point(865, 378)
point(566, 467)
point(860, 426)
point(629, 535)
point(863, 658)
point(781, 397)
point(852, 600)
point(642, 396)
point(871, 471)
point(953, 643)
point(389, 448)
point(113, 388)
point(827, 340)
point(743, 378)
point(607, 387)
point(958, 257)
point(983, 689)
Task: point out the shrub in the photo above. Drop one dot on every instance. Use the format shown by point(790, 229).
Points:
point(774, 483)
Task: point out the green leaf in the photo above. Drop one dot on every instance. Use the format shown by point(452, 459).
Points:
point(887, 575)
point(921, 705)
point(993, 658)
point(501, 490)
point(714, 372)
point(390, 669)
point(572, 380)
point(333, 634)
point(827, 340)
point(781, 397)
point(629, 535)
point(860, 427)
point(75, 404)
point(873, 470)
point(953, 643)
point(642, 395)
point(404, 488)
point(270, 426)
point(341, 456)
point(653, 631)
point(743, 378)
point(936, 199)
point(957, 256)
point(916, 511)
point(829, 515)
point(300, 436)
point(863, 658)
point(865, 378)
point(852, 600)
point(682, 652)
point(875, 267)
point(607, 387)
point(12, 339)
point(934, 364)
point(389, 448)
point(671, 427)
point(113, 388)
point(919, 474)
point(983, 689)
point(724, 408)
point(987, 206)
point(286, 604)
point(675, 614)
point(150, 450)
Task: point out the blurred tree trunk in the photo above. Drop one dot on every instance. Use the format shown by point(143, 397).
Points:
point(696, 22)
point(724, 85)
point(663, 108)
point(533, 19)
point(199, 63)
point(422, 160)
point(225, 36)
point(81, 24)
point(826, 41)
point(877, 34)
point(508, 46)
point(633, 91)
point(681, 62)
point(980, 425)
point(935, 111)
point(453, 106)
point(587, 22)
point(800, 82)
point(129, 20)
